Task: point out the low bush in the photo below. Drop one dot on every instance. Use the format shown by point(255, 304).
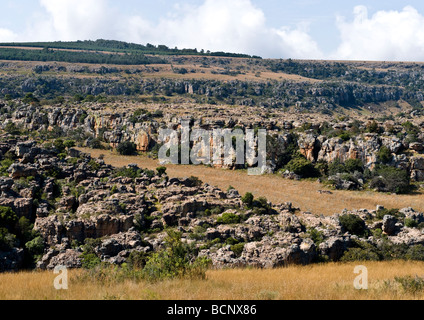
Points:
point(127, 148)
point(177, 260)
point(228, 218)
point(411, 223)
point(390, 179)
point(161, 171)
point(129, 172)
point(384, 155)
point(247, 199)
point(302, 167)
point(238, 249)
point(387, 212)
point(353, 224)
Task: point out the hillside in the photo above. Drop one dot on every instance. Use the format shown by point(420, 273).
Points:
point(343, 180)
point(158, 74)
point(99, 51)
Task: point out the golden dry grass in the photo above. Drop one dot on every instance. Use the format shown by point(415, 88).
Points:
point(303, 194)
point(331, 281)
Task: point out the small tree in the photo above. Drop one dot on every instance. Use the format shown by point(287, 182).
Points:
point(353, 224)
point(161, 171)
point(373, 127)
point(228, 218)
point(127, 148)
point(390, 179)
point(303, 167)
point(353, 165)
point(177, 260)
point(384, 155)
point(247, 199)
point(69, 144)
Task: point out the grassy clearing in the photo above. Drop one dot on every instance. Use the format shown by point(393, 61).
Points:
point(303, 194)
point(316, 282)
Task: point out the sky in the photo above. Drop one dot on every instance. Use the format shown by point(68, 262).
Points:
point(384, 30)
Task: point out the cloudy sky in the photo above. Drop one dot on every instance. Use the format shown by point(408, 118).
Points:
point(315, 29)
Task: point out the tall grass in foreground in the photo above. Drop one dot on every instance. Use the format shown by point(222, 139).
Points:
point(333, 281)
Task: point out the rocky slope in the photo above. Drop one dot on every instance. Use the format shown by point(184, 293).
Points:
point(74, 200)
point(319, 139)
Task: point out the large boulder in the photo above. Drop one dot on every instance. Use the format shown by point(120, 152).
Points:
point(389, 225)
point(334, 248)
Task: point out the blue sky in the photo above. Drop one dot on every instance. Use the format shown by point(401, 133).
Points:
point(316, 29)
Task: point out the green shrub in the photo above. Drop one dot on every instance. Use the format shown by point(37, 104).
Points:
point(238, 249)
point(302, 167)
point(384, 155)
point(8, 218)
point(114, 189)
point(322, 167)
point(353, 224)
point(35, 246)
point(247, 199)
point(58, 144)
point(137, 259)
point(228, 218)
point(94, 165)
point(127, 148)
point(387, 212)
point(69, 144)
point(175, 261)
point(336, 167)
point(390, 179)
point(95, 143)
point(316, 236)
point(195, 181)
point(415, 253)
point(215, 211)
point(345, 136)
point(90, 260)
point(373, 127)
point(352, 165)
point(231, 241)
point(129, 172)
point(4, 165)
point(161, 171)
point(360, 254)
point(411, 223)
point(7, 240)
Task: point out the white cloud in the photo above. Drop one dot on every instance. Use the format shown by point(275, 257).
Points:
point(387, 35)
point(222, 25)
point(7, 35)
point(68, 20)
point(216, 25)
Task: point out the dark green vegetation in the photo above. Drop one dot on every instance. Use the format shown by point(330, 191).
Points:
point(76, 57)
point(15, 232)
point(99, 51)
point(385, 251)
point(346, 85)
point(177, 260)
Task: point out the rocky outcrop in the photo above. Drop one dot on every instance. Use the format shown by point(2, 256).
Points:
point(143, 129)
point(127, 211)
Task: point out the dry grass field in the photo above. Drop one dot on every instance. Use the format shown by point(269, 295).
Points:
point(303, 194)
point(315, 282)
